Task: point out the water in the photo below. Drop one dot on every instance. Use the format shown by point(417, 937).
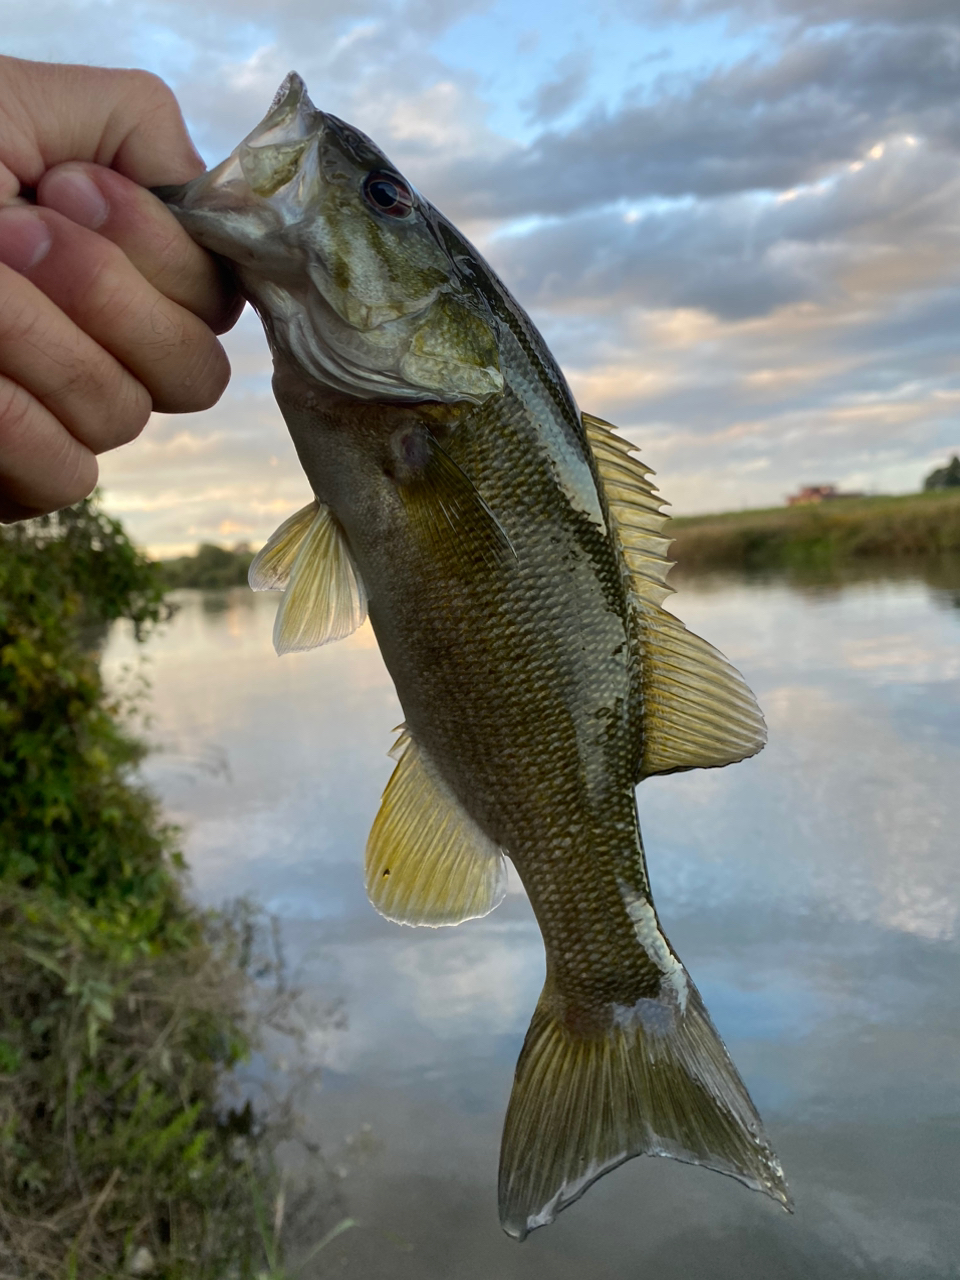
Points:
point(813, 893)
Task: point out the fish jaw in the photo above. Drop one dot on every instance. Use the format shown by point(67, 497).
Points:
point(236, 208)
point(367, 303)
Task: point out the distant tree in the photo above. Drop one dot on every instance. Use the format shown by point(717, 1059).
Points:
point(211, 568)
point(947, 477)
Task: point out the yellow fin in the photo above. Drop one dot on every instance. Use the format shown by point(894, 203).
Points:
point(325, 599)
point(427, 860)
point(270, 567)
point(658, 1081)
point(698, 712)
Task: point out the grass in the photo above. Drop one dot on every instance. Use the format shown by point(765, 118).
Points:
point(822, 534)
point(124, 1008)
point(112, 1142)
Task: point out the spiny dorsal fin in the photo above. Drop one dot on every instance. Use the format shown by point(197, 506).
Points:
point(427, 860)
point(324, 598)
point(270, 567)
point(698, 712)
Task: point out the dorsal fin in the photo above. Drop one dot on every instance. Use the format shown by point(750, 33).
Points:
point(698, 712)
point(309, 560)
point(427, 860)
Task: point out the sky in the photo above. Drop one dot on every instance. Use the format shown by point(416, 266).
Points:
point(736, 222)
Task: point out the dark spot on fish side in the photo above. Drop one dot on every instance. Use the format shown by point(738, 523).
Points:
point(341, 274)
point(411, 450)
point(386, 873)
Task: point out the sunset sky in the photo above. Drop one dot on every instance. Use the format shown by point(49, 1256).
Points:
point(737, 224)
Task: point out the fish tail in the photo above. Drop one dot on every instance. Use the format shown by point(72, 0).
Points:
point(656, 1080)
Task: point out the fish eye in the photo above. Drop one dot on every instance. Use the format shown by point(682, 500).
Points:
point(388, 194)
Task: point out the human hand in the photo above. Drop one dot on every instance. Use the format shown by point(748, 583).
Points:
point(108, 310)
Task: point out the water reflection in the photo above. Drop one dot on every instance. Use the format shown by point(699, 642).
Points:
point(813, 893)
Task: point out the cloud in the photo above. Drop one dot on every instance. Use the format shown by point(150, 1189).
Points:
point(744, 250)
point(818, 12)
point(884, 225)
point(556, 96)
point(763, 124)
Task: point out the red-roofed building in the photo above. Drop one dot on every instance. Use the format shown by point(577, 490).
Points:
point(818, 493)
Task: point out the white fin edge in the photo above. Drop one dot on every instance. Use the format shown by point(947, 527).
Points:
point(427, 861)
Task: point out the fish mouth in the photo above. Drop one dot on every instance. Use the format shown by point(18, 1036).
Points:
point(271, 157)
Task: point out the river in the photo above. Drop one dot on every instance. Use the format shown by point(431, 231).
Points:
point(813, 892)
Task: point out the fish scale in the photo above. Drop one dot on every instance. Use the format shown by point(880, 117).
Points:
point(510, 553)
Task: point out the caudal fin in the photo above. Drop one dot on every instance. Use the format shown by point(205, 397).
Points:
point(659, 1082)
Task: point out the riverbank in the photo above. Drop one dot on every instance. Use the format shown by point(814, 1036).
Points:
point(124, 1008)
point(820, 534)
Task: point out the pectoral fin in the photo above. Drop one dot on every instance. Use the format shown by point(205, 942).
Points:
point(449, 516)
point(324, 598)
point(270, 567)
point(698, 711)
point(427, 861)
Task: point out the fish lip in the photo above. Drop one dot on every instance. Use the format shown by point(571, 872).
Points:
point(170, 194)
point(291, 117)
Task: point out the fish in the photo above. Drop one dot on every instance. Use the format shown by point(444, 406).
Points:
point(510, 553)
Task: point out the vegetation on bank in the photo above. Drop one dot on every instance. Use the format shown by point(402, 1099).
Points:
point(209, 569)
point(122, 1007)
point(947, 477)
point(820, 534)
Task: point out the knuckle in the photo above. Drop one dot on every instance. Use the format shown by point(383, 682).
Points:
point(203, 374)
point(150, 90)
point(133, 416)
point(107, 294)
point(16, 406)
point(18, 320)
point(107, 407)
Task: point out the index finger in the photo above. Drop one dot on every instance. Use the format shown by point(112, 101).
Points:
point(150, 236)
point(127, 120)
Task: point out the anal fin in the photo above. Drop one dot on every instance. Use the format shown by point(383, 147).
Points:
point(427, 861)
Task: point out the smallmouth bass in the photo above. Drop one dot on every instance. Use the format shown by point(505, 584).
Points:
point(510, 553)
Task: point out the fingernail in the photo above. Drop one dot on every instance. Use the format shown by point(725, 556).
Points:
point(25, 238)
point(75, 195)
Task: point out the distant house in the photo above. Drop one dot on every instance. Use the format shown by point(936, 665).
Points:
point(818, 493)
point(947, 477)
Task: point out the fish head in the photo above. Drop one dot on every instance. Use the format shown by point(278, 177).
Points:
point(343, 260)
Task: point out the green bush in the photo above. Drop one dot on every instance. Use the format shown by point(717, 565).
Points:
point(122, 1007)
point(72, 816)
